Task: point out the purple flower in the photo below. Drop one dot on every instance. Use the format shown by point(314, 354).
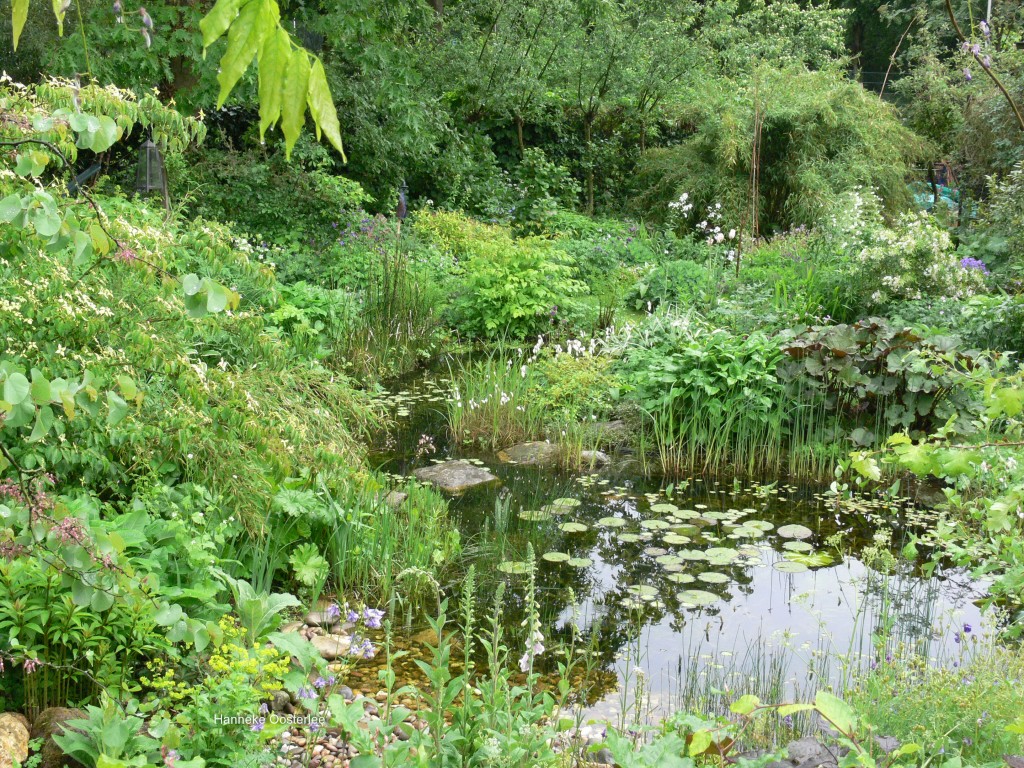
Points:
point(969, 262)
point(985, 30)
point(987, 62)
point(314, 727)
point(372, 617)
point(264, 708)
point(147, 20)
point(956, 638)
point(976, 49)
point(333, 611)
point(352, 616)
point(320, 683)
point(967, 74)
point(257, 726)
point(788, 721)
point(306, 693)
point(967, 629)
point(965, 46)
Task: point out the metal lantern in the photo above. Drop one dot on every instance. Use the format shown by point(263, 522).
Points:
point(403, 201)
point(150, 176)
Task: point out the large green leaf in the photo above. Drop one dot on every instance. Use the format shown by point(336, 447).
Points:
point(293, 98)
point(274, 59)
point(216, 22)
point(16, 388)
point(19, 13)
point(255, 21)
point(836, 711)
point(321, 107)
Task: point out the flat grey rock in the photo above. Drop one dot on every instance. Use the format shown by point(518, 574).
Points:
point(455, 476)
point(533, 452)
point(594, 458)
point(332, 646)
point(808, 752)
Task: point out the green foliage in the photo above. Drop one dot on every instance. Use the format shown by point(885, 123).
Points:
point(109, 737)
point(970, 711)
point(684, 283)
point(821, 135)
point(509, 287)
point(541, 188)
point(713, 397)
point(992, 322)
point(883, 377)
point(1006, 221)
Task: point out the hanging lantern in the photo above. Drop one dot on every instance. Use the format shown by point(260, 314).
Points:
point(150, 176)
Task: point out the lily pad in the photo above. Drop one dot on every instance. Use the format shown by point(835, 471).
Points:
point(535, 515)
point(798, 546)
point(642, 590)
point(810, 559)
point(555, 557)
point(681, 578)
point(722, 554)
point(574, 527)
point(713, 577)
point(668, 560)
point(692, 554)
point(795, 532)
point(629, 538)
point(567, 503)
point(513, 567)
point(580, 562)
point(655, 524)
point(697, 597)
point(788, 566)
point(662, 509)
point(676, 539)
point(611, 522)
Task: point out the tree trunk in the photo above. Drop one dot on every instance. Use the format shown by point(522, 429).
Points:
point(587, 133)
point(519, 136)
point(934, 183)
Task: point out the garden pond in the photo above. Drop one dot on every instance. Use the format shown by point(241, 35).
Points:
point(691, 591)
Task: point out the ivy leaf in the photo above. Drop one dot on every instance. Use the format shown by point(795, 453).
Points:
point(216, 22)
point(255, 21)
point(293, 98)
point(19, 13)
point(273, 65)
point(322, 109)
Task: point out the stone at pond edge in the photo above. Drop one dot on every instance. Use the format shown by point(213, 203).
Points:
point(396, 499)
point(332, 646)
point(594, 458)
point(533, 452)
point(49, 722)
point(13, 739)
point(808, 752)
point(320, 618)
point(454, 476)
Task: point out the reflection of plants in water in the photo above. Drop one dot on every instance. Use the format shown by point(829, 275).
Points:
point(632, 710)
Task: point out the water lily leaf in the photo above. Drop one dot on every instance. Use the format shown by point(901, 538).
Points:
point(580, 562)
point(513, 567)
point(535, 515)
point(697, 597)
point(712, 577)
point(629, 538)
point(692, 554)
point(662, 509)
point(555, 557)
point(654, 524)
point(681, 578)
point(611, 522)
point(788, 566)
point(722, 554)
point(574, 527)
point(795, 532)
point(798, 546)
point(676, 539)
point(568, 503)
point(642, 590)
point(811, 560)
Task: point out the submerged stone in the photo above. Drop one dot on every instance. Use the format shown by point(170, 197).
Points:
point(594, 458)
point(455, 476)
point(533, 452)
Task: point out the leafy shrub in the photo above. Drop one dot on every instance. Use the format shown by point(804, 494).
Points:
point(542, 187)
point(508, 286)
point(680, 282)
point(914, 259)
point(994, 322)
point(713, 397)
point(884, 378)
point(1006, 219)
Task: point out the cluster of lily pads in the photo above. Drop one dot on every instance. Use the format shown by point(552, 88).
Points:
point(689, 544)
